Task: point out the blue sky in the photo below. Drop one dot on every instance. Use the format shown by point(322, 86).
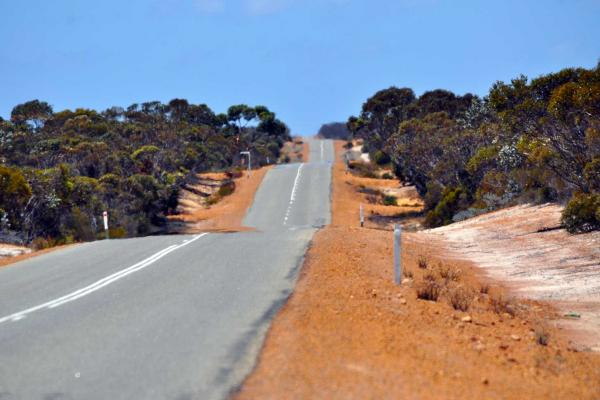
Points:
point(311, 61)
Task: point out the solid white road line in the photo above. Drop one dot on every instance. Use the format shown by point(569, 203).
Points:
point(293, 195)
point(100, 283)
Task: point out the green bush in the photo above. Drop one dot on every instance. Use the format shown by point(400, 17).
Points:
point(433, 195)
point(453, 201)
point(41, 243)
point(226, 190)
point(362, 169)
point(591, 174)
point(389, 200)
point(79, 226)
point(381, 158)
point(387, 175)
point(582, 213)
point(117, 233)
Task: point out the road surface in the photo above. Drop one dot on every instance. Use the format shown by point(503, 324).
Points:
point(164, 317)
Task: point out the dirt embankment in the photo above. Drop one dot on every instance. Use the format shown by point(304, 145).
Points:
point(295, 151)
point(226, 215)
point(203, 209)
point(348, 332)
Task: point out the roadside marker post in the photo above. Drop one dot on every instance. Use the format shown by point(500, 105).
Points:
point(397, 254)
point(247, 153)
point(362, 216)
point(105, 218)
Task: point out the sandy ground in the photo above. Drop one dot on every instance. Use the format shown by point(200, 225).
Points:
point(348, 332)
point(516, 247)
point(4, 261)
point(9, 250)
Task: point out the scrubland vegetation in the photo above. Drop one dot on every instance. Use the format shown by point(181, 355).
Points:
point(526, 141)
point(60, 170)
point(334, 130)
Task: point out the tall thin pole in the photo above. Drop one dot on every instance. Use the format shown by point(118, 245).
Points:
point(397, 254)
point(105, 220)
point(362, 216)
point(247, 153)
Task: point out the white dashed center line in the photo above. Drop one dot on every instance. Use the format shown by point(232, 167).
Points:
point(293, 196)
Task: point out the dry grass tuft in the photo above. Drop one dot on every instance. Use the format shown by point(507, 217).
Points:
point(429, 276)
point(449, 274)
point(460, 298)
point(500, 305)
point(423, 263)
point(542, 335)
point(484, 288)
point(429, 288)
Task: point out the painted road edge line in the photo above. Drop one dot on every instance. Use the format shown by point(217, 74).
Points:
point(100, 283)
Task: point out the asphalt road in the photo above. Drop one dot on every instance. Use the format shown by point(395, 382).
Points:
point(164, 317)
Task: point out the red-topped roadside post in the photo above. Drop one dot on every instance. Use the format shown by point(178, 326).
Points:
point(105, 218)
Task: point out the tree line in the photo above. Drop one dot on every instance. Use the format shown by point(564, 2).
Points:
point(60, 170)
point(531, 141)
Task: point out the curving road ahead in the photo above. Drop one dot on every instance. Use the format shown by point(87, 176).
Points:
point(164, 317)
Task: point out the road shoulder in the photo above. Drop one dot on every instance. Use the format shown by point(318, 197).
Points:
point(349, 332)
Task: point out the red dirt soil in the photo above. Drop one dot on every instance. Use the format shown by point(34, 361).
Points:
point(348, 332)
point(226, 215)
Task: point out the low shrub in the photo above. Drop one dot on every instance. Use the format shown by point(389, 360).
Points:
point(542, 335)
point(371, 199)
point(453, 201)
point(484, 288)
point(582, 213)
point(212, 200)
point(387, 175)
point(422, 262)
point(501, 305)
point(389, 200)
point(460, 298)
point(429, 289)
point(367, 190)
point(381, 158)
point(226, 190)
point(362, 169)
point(591, 174)
point(236, 173)
point(448, 273)
point(117, 233)
point(41, 243)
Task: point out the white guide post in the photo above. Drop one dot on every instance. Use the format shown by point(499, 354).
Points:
point(362, 216)
point(105, 218)
point(397, 254)
point(247, 153)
